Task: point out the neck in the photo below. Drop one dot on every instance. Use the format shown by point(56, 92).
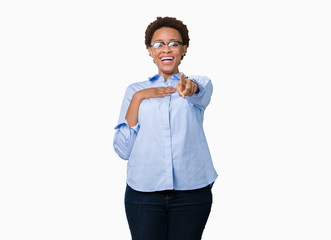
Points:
point(166, 76)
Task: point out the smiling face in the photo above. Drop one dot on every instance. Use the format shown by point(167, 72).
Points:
point(167, 60)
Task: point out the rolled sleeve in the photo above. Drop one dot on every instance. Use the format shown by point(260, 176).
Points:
point(125, 135)
point(202, 98)
point(124, 139)
point(126, 130)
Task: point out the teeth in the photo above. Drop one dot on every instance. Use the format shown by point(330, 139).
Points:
point(167, 58)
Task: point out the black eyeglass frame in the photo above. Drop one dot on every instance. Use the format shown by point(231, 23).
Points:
point(164, 43)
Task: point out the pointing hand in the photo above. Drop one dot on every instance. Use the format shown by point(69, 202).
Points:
point(186, 87)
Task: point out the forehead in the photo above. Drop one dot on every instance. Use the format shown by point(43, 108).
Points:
point(166, 34)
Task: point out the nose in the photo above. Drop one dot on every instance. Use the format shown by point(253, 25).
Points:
point(166, 48)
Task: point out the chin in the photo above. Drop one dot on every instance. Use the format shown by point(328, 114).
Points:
point(168, 70)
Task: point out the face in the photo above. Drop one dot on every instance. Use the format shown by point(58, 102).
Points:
point(168, 66)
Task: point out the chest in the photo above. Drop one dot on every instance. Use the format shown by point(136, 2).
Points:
point(165, 107)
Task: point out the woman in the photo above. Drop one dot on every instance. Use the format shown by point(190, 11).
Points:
point(170, 170)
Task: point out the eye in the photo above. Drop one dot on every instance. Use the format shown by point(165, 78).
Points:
point(173, 44)
point(157, 45)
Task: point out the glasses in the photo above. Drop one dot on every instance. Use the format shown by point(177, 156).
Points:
point(174, 46)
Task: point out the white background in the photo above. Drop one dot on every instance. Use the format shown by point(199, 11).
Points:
point(64, 67)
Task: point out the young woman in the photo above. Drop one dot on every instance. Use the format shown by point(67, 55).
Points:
point(160, 132)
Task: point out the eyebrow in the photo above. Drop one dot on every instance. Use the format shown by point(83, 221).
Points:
point(161, 40)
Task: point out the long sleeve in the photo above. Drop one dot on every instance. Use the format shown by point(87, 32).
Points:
point(202, 98)
point(125, 136)
point(167, 149)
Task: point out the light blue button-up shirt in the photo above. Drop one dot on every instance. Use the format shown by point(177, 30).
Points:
point(167, 149)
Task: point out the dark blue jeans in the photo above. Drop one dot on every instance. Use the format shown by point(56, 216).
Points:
point(167, 215)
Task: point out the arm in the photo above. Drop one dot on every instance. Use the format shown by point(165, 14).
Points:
point(128, 126)
point(198, 94)
point(132, 113)
point(125, 134)
point(202, 98)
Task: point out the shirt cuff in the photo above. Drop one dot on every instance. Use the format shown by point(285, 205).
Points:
point(126, 129)
point(202, 83)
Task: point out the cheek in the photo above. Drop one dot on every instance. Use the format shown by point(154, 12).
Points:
point(179, 57)
point(155, 56)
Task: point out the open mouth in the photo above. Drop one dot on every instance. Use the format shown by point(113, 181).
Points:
point(167, 59)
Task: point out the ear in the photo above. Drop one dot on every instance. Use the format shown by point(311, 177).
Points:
point(184, 50)
point(150, 51)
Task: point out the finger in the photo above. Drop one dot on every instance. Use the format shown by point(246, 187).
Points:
point(180, 89)
point(180, 92)
point(182, 77)
point(188, 87)
point(183, 84)
point(189, 93)
point(166, 88)
point(166, 91)
point(193, 88)
point(171, 89)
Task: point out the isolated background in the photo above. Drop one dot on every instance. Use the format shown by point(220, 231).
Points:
point(64, 67)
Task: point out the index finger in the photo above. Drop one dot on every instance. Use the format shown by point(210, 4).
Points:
point(182, 77)
point(181, 86)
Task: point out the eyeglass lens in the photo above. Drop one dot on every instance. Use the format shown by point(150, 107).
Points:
point(173, 46)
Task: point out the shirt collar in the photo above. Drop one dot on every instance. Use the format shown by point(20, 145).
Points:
point(157, 76)
point(154, 77)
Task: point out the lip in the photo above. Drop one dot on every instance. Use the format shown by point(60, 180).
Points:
point(167, 62)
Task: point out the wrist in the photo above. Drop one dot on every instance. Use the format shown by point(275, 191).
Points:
point(137, 97)
point(195, 84)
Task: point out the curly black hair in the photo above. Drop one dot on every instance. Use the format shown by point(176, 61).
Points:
point(166, 22)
